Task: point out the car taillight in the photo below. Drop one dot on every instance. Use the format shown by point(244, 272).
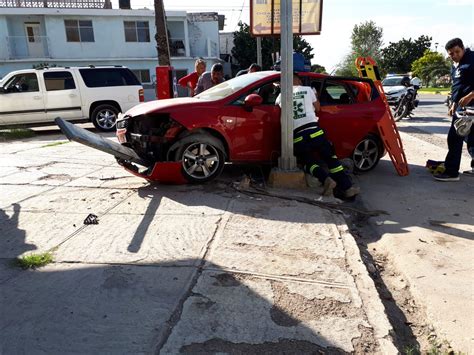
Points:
point(141, 95)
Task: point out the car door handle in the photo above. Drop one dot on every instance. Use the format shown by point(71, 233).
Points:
point(72, 95)
point(37, 97)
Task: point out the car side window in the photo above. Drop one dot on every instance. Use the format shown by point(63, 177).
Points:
point(269, 92)
point(59, 80)
point(334, 93)
point(27, 82)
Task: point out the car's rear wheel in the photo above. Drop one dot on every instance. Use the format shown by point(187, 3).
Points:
point(104, 117)
point(367, 154)
point(202, 157)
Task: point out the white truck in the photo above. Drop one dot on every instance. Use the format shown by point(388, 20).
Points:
point(98, 94)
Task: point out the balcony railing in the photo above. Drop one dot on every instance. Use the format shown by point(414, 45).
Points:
point(22, 47)
point(62, 4)
point(177, 47)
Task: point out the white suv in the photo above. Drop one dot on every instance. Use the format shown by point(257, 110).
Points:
point(38, 96)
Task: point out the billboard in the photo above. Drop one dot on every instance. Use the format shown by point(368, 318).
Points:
point(265, 17)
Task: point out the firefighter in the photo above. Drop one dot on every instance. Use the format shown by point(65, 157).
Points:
point(311, 147)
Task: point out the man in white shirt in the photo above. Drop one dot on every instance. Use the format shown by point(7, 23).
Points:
point(311, 145)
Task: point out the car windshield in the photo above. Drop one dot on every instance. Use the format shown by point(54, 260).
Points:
point(231, 86)
point(392, 82)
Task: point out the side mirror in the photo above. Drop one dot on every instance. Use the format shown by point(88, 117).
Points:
point(251, 101)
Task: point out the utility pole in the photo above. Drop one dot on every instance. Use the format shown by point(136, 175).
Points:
point(287, 161)
point(259, 51)
point(161, 36)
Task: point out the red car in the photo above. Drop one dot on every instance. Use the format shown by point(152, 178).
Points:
point(238, 121)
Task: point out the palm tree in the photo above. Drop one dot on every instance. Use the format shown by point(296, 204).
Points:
point(161, 36)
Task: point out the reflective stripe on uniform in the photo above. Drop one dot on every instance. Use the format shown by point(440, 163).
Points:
point(296, 140)
point(316, 134)
point(314, 166)
point(336, 170)
point(334, 156)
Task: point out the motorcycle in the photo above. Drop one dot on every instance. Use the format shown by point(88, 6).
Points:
point(407, 103)
point(448, 100)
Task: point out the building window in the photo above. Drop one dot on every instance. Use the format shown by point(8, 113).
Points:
point(79, 31)
point(143, 75)
point(136, 31)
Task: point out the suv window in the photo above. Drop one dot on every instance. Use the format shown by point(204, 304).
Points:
point(27, 82)
point(335, 94)
point(60, 80)
point(100, 77)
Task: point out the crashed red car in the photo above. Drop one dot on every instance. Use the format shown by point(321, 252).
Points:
point(238, 121)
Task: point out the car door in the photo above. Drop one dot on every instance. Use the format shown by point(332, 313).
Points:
point(21, 100)
point(256, 132)
point(62, 97)
point(345, 119)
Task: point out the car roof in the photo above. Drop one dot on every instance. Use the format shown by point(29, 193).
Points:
point(21, 71)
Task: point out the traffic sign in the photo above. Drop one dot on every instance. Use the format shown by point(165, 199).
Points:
point(265, 17)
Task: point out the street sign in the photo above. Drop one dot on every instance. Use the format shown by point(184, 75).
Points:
point(265, 17)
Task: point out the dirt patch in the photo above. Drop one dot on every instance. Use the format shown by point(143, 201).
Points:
point(412, 332)
point(289, 309)
point(283, 346)
point(366, 343)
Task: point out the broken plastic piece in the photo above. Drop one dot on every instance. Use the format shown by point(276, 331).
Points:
point(91, 219)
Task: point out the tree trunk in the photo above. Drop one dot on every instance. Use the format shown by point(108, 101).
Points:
point(161, 36)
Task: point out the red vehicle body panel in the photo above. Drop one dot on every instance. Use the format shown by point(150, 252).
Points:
point(255, 136)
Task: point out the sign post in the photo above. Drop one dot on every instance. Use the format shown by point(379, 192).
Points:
point(286, 18)
point(287, 160)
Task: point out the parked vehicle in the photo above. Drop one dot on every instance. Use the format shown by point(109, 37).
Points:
point(406, 105)
point(37, 96)
point(400, 94)
point(238, 121)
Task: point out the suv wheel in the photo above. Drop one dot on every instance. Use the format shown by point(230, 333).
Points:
point(104, 116)
point(202, 157)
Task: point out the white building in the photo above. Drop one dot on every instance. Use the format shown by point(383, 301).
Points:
point(99, 36)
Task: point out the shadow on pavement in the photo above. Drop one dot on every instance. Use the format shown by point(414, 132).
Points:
point(126, 308)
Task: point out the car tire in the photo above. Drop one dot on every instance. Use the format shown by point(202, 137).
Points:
point(104, 117)
point(367, 154)
point(202, 157)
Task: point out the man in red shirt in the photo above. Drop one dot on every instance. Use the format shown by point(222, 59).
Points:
point(190, 80)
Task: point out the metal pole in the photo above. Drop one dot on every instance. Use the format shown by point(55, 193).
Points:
point(259, 51)
point(287, 161)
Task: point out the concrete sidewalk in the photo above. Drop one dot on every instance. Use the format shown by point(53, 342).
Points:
point(193, 269)
point(428, 237)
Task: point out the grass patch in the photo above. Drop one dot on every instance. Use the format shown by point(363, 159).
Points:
point(443, 91)
point(16, 133)
point(33, 261)
point(54, 144)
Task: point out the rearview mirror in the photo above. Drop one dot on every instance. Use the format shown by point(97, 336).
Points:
point(251, 101)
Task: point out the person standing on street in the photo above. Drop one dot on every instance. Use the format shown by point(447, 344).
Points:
point(462, 75)
point(310, 140)
point(190, 81)
point(210, 79)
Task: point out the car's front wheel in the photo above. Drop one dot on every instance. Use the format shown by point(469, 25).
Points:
point(367, 154)
point(202, 157)
point(104, 117)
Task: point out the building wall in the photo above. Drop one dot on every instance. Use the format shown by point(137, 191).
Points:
point(109, 46)
point(3, 38)
point(109, 39)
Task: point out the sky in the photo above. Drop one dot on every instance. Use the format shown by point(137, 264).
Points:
point(440, 19)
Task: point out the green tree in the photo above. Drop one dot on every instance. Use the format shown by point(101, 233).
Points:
point(316, 68)
point(245, 47)
point(366, 40)
point(398, 56)
point(431, 66)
